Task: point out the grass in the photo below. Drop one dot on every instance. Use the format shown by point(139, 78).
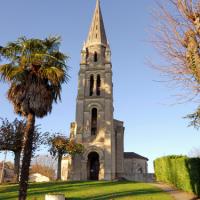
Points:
point(88, 191)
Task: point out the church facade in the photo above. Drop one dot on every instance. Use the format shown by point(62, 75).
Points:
point(95, 127)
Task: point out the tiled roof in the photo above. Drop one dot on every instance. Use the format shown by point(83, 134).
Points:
point(134, 155)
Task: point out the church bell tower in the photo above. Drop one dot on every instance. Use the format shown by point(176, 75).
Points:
point(95, 127)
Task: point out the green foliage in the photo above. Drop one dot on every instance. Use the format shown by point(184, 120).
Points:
point(12, 133)
point(194, 119)
point(74, 148)
point(36, 69)
point(181, 171)
point(12, 139)
point(60, 145)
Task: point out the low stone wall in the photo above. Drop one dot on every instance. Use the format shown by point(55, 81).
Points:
point(148, 178)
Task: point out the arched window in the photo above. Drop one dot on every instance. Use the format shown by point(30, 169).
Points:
point(94, 121)
point(91, 84)
point(98, 85)
point(95, 56)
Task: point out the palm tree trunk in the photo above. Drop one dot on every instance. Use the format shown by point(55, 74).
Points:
point(59, 167)
point(17, 165)
point(27, 153)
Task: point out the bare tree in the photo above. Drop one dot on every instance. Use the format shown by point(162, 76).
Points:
point(45, 165)
point(177, 37)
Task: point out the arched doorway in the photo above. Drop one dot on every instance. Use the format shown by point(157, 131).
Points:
point(93, 166)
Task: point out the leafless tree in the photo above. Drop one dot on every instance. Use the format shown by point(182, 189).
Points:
point(45, 165)
point(177, 37)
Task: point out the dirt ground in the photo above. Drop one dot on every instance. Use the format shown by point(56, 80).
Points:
point(175, 193)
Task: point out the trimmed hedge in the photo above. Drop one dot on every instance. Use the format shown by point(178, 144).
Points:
point(181, 171)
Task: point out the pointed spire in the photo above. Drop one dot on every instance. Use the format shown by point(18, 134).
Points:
point(97, 34)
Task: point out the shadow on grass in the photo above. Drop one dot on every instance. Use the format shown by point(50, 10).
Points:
point(119, 195)
point(9, 188)
point(52, 185)
point(37, 190)
point(77, 183)
point(70, 186)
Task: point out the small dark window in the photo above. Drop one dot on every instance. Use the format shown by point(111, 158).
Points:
point(140, 171)
point(96, 35)
point(87, 53)
point(91, 84)
point(95, 57)
point(98, 86)
point(94, 122)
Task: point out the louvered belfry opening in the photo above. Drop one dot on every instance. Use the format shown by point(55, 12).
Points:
point(98, 85)
point(91, 85)
point(94, 122)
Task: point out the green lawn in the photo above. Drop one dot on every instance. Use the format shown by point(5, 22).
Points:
point(88, 191)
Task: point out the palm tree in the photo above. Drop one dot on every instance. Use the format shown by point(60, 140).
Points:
point(35, 70)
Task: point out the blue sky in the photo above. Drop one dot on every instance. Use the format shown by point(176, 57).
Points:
point(153, 127)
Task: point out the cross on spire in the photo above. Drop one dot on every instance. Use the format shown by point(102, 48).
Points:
point(97, 34)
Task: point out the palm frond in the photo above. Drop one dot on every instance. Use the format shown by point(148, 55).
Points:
point(53, 74)
point(52, 43)
point(6, 71)
point(11, 51)
point(36, 70)
point(12, 73)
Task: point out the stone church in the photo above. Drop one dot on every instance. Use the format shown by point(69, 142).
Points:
point(95, 127)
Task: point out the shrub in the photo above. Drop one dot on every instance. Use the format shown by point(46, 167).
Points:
point(181, 171)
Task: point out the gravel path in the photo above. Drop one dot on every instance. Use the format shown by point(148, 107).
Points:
point(175, 193)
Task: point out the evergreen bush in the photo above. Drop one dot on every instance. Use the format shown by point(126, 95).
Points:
point(181, 171)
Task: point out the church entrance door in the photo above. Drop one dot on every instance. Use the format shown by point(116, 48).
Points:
point(93, 166)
